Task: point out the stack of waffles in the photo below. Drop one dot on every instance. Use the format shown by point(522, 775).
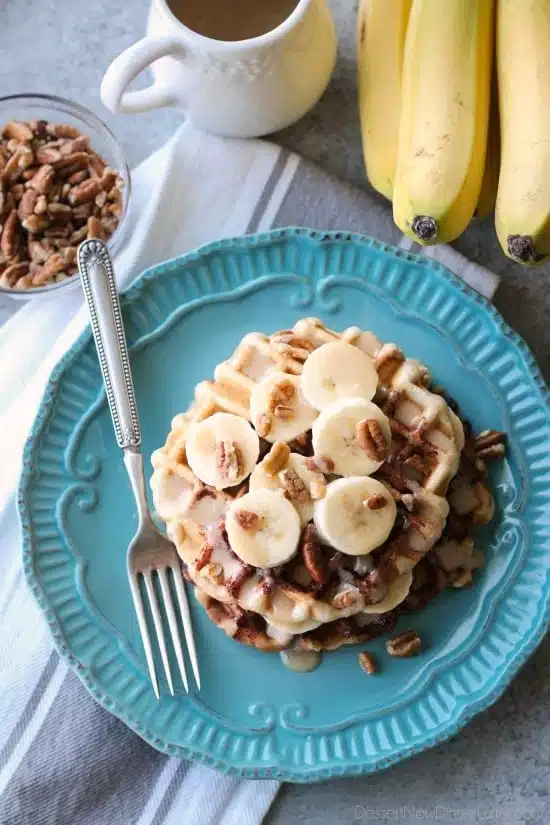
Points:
point(319, 486)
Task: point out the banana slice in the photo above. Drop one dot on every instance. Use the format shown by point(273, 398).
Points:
point(336, 371)
point(294, 479)
point(278, 408)
point(355, 516)
point(336, 436)
point(222, 450)
point(397, 593)
point(263, 528)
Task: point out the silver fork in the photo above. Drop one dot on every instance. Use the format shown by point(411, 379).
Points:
point(150, 554)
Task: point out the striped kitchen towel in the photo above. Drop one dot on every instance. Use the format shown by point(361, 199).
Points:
point(63, 759)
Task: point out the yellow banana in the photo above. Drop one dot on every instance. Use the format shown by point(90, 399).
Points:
point(382, 26)
point(444, 117)
point(522, 214)
point(489, 184)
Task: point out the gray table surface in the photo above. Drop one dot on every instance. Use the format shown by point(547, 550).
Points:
point(498, 768)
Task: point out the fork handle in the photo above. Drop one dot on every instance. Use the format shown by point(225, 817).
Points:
point(98, 281)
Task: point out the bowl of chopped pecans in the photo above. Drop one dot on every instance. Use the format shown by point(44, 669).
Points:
point(63, 179)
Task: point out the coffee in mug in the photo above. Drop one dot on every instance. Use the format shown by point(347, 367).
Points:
point(232, 19)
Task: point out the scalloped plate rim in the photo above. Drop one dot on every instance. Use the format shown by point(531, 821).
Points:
point(524, 649)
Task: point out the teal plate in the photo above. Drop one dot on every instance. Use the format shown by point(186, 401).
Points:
point(253, 717)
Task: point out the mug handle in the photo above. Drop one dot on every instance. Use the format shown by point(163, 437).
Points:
point(128, 65)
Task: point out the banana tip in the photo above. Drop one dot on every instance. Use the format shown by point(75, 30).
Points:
point(522, 249)
point(425, 228)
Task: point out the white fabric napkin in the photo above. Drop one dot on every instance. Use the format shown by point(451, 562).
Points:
point(195, 189)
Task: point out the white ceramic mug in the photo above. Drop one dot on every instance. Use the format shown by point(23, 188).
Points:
point(243, 88)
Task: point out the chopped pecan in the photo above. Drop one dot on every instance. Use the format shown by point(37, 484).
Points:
point(215, 572)
point(205, 555)
point(53, 266)
point(320, 464)
point(95, 228)
point(35, 223)
point(84, 192)
point(62, 130)
point(27, 204)
point(371, 439)
point(60, 212)
point(229, 460)
point(263, 425)
point(43, 179)
point(20, 131)
point(39, 251)
point(77, 144)
point(76, 177)
point(406, 644)
point(344, 599)
point(9, 243)
point(294, 486)
point(234, 584)
point(14, 272)
point(248, 521)
point(490, 444)
point(79, 235)
point(313, 557)
point(47, 154)
point(461, 578)
point(41, 205)
point(108, 178)
point(367, 662)
point(376, 501)
point(277, 458)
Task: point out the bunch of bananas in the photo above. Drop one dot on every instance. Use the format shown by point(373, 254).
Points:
point(455, 116)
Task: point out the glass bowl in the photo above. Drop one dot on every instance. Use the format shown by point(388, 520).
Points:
point(58, 110)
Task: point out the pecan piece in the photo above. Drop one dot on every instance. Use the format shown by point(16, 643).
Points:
point(248, 521)
point(229, 460)
point(375, 502)
point(263, 425)
point(9, 243)
point(60, 212)
point(320, 465)
point(62, 130)
point(490, 444)
point(406, 644)
point(277, 458)
point(77, 144)
point(27, 204)
point(36, 223)
point(13, 273)
point(95, 228)
point(204, 556)
point(53, 266)
point(77, 177)
point(84, 192)
point(294, 486)
point(371, 439)
point(20, 131)
point(344, 599)
point(312, 555)
point(47, 154)
point(42, 180)
point(237, 580)
point(368, 662)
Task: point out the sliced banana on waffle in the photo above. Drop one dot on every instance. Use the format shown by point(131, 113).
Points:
point(398, 591)
point(354, 434)
point(356, 515)
point(263, 528)
point(278, 408)
point(222, 450)
point(336, 371)
point(295, 480)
